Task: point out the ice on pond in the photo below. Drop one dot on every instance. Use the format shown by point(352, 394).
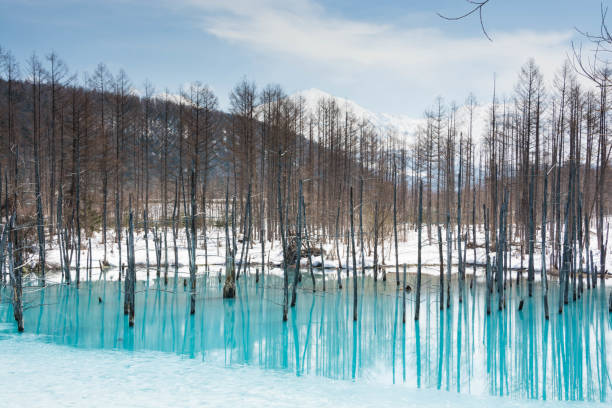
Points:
point(78, 345)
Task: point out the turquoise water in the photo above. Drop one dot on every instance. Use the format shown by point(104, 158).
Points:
point(509, 353)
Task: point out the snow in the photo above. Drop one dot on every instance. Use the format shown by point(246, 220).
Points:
point(407, 254)
point(403, 126)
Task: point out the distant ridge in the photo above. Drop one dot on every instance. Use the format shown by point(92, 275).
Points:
point(403, 126)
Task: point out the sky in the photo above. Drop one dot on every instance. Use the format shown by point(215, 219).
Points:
point(392, 56)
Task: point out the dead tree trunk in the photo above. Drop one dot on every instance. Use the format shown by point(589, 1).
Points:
point(193, 244)
point(397, 279)
point(283, 240)
point(543, 272)
point(15, 274)
point(488, 259)
point(336, 239)
point(145, 217)
point(460, 270)
point(175, 225)
point(441, 253)
point(417, 305)
point(449, 257)
point(376, 241)
point(296, 275)
point(229, 288)
point(404, 296)
point(530, 273)
point(309, 246)
point(158, 250)
point(130, 280)
point(361, 226)
point(322, 263)
point(354, 258)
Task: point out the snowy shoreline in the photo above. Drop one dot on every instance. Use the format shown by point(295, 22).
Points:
point(215, 259)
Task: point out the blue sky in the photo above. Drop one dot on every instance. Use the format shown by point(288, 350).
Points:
point(391, 56)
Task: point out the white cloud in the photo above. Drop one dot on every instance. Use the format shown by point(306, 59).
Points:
point(422, 56)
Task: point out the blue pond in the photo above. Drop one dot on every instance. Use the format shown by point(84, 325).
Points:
point(448, 357)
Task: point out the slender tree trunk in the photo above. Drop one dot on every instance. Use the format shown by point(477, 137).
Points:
point(145, 217)
point(460, 268)
point(314, 287)
point(130, 280)
point(441, 253)
point(543, 272)
point(417, 305)
point(299, 248)
point(531, 273)
point(449, 258)
point(283, 240)
point(336, 239)
point(397, 279)
point(193, 245)
point(322, 263)
point(376, 241)
point(488, 259)
point(229, 288)
point(404, 290)
point(361, 226)
point(15, 270)
point(354, 258)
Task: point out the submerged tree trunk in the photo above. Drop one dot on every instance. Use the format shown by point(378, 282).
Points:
point(361, 226)
point(404, 296)
point(130, 280)
point(90, 260)
point(296, 275)
point(441, 253)
point(64, 241)
point(417, 304)
point(15, 274)
point(543, 271)
point(322, 263)
point(336, 238)
point(397, 279)
point(283, 240)
point(307, 237)
point(474, 234)
point(376, 241)
point(175, 225)
point(530, 273)
point(40, 221)
point(246, 235)
point(262, 235)
point(449, 258)
point(3, 257)
point(158, 250)
point(354, 257)
point(501, 244)
point(229, 288)
point(460, 270)
point(145, 217)
point(488, 260)
point(193, 245)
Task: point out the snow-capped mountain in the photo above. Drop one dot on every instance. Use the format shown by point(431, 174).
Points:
point(403, 126)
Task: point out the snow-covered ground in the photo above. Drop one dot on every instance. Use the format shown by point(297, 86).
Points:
point(407, 254)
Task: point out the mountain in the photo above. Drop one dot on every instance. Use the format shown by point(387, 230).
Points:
point(403, 126)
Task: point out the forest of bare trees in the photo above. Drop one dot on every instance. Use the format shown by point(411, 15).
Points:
point(88, 153)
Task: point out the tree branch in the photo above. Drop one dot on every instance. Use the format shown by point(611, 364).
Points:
point(478, 6)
